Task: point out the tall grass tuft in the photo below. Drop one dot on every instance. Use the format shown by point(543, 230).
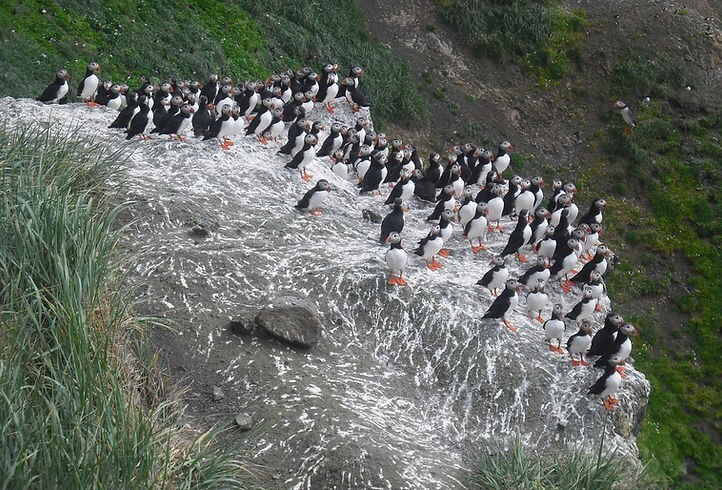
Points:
point(518, 468)
point(79, 408)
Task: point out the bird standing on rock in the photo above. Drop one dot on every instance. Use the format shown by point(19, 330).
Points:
point(429, 246)
point(505, 303)
point(396, 260)
point(314, 198)
point(608, 383)
point(554, 328)
point(57, 91)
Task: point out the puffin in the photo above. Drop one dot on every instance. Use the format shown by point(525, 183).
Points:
point(505, 303)
point(539, 224)
point(332, 142)
point(203, 117)
point(537, 184)
point(578, 343)
point(621, 347)
point(496, 207)
point(547, 246)
point(598, 263)
point(374, 176)
point(210, 89)
point(519, 237)
point(584, 308)
point(596, 284)
point(536, 301)
point(392, 222)
point(220, 128)
point(328, 87)
point(591, 240)
point(446, 229)
point(57, 91)
point(606, 335)
point(525, 199)
point(538, 272)
point(514, 184)
point(429, 246)
point(179, 124)
point(594, 215)
point(496, 276)
point(629, 117)
point(88, 86)
point(313, 199)
point(483, 166)
point(404, 188)
point(607, 384)
point(122, 120)
point(567, 254)
point(467, 209)
point(396, 258)
point(354, 95)
point(502, 159)
point(554, 328)
point(304, 156)
point(296, 134)
point(476, 228)
point(434, 170)
point(424, 188)
point(141, 122)
point(445, 200)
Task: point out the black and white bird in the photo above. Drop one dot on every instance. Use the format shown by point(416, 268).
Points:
point(578, 343)
point(396, 258)
point(496, 276)
point(57, 91)
point(554, 328)
point(392, 222)
point(608, 384)
point(88, 86)
point(504, 304)
point(629, 117)
point(536, 301)
point(314, 198)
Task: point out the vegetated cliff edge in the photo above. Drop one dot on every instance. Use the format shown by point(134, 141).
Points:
point(405, 382)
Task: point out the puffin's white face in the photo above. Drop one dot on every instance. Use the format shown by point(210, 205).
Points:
point(94, 67)
point(62, 74)
point(482, 208)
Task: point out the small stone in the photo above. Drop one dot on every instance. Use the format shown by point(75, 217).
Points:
point(562, 423)
point(217, 394)
point(240, 326)
point(199, 231)
point(244, 421)
point(371, 216)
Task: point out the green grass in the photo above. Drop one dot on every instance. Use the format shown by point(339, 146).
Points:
point(535, 34)
point(245, 39)
point(518, 468)
point(81, 405)
point(673, 167)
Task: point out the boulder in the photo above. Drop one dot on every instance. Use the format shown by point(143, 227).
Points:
point(291, 320)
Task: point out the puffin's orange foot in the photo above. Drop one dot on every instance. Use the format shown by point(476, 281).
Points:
point(553, 348)
point(522, 258)
point(330, 108)
point(598, 307)
point(575, 363)
point(540, 319)
point(263, 139)
point(509, 325)
point(608, 405)
point(93, 104)
point(355, 108)
point(401, 281)
point(560, 350)
point(392, 280)
point(316, 212)
point(565, 287)
point(584, 363)
point(306, 176)
point(475, 249)
point(613, 400)
point(443, 252)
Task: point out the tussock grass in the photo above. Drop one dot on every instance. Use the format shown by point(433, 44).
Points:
point(81, 406)
point(519, 468)
point(535, 34)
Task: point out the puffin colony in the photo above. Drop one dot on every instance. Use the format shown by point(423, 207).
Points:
point(468, 191)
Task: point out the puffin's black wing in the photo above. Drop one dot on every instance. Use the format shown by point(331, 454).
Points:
point(305, 200)
point(50, 92)
point(486, 278)
point(498, 307)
